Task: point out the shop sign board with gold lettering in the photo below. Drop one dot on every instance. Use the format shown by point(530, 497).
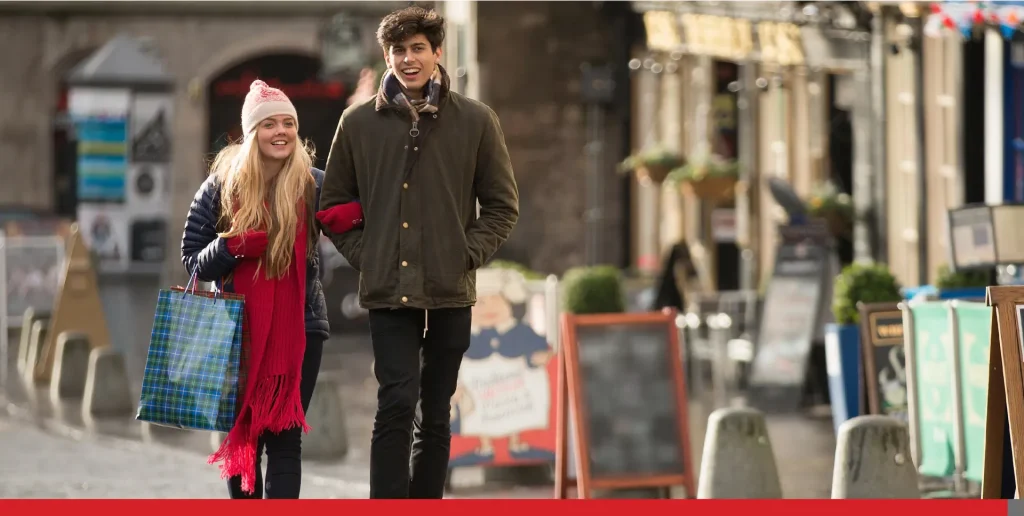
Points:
point(718, 36)
point(780, 43)
point(885, 379)
point(725, 37)
point(662, 30)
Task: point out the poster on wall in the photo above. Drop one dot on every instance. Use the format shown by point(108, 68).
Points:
point(149, 196)
point(151, 128)
point(148, 188)
point(503, 410)
point(101, 123)
point(105, 231)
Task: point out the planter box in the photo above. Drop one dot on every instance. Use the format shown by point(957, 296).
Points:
point(842, 362)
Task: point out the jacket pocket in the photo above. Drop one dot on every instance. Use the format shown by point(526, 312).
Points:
point(446, 286)
point(374, 283)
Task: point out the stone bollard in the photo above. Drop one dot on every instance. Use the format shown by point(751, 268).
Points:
point(216, 438)
point(328, 435)
point(27, 321)
point(107, 392)
point(873, 460)
point(738, 461)
point(71, 362)
point(36, 341)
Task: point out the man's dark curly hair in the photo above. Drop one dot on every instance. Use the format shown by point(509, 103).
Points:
point(410, 21)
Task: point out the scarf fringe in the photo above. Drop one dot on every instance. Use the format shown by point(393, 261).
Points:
point(275, 405)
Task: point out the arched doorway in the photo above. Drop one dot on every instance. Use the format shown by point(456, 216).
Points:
point(319, 103)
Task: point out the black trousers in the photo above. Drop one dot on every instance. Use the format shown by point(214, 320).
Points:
point(284, 450)
point(404, 382)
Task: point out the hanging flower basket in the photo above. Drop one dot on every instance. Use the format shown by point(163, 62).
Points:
point(653, 164)
point(654, 172)
point(717, 187)
point(837, 224)
point(709, 179)
point(834, 207)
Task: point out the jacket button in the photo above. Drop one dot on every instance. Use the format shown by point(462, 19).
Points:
point(435, 115)
point(415, 148)
point(405, 299)
point(405, 224)
point(405, 263)
point(405, 186)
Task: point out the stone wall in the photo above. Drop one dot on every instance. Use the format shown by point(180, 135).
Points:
point(530, 55)
point(529, 52)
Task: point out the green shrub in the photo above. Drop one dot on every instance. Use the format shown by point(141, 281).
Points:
point(593, 290)
point(948, 279)
point(866, 283)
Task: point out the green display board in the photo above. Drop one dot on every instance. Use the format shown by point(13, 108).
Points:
point(974, 336)
point(933, 384)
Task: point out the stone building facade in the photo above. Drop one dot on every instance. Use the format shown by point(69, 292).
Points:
point(529, 53)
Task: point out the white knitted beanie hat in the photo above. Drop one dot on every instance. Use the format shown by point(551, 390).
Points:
point(263, 102)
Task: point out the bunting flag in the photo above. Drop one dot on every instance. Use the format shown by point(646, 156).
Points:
point(972, 18)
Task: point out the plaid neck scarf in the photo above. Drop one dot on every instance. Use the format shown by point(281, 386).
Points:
point(431, 94)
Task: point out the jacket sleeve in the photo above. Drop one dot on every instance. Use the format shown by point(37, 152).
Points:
point(496, 190)
point(202, 251)
point(340, 186)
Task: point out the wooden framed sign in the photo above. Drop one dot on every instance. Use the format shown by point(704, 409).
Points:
point(1004, 417)
point(885, 379)
point(622, 384)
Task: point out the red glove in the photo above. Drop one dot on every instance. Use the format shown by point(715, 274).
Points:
point(251, 244)
point(341, 218)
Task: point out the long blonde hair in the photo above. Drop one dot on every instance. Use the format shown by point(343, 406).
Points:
point(239, 168)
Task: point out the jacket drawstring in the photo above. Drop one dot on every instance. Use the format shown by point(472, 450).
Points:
point(425, 323)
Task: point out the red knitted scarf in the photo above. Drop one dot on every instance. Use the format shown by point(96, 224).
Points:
point(275, 314)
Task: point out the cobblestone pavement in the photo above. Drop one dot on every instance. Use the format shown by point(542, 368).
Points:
point(804, 445)
point(37, 464)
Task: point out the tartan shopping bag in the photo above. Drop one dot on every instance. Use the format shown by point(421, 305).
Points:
point(194, 368)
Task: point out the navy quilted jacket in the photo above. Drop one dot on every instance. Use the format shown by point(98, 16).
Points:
point(207, 254)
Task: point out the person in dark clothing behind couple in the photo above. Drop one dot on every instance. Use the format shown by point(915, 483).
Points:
point(418, 157)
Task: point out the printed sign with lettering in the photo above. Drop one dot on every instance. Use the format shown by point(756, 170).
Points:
point(932, 406)
point(974, 328)
point(884, 360)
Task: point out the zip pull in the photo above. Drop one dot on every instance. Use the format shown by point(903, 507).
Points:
point(415, 131)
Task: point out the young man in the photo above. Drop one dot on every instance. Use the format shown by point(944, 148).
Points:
point(418, 157)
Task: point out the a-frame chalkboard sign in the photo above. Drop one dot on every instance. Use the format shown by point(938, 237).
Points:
point(621, 391)
point(1004, 425)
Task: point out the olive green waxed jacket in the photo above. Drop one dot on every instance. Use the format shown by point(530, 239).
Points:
point(422, 240)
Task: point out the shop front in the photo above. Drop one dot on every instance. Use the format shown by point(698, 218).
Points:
point(751, 91)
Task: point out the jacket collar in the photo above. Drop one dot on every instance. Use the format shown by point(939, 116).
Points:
point(383, 102)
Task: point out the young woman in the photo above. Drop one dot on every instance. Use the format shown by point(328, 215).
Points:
point(251, 229)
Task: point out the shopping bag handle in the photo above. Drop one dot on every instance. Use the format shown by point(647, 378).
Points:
point(194, 280)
